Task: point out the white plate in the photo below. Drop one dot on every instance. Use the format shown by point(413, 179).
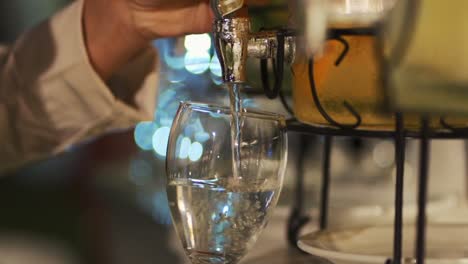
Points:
point(446, 244)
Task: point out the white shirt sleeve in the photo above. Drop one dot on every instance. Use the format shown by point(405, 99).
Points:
point(51, 98)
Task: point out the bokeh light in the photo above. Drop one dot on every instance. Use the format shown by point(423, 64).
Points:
point(160, 140)
point(175, 63)
point(225, 209)
point(202, 136)
point(184, 149)
point(197, 62)
point(196, 151)
point(197, 42)
point(143, 135)
point(215, 67)
point(174, 60)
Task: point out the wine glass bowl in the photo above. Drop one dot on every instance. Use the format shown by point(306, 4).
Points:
point(218, 215)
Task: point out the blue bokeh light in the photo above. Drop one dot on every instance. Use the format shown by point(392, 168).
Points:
point(202, 136)
point(174, 60)
point(184, 149)
point(216, 80)
point(215, 66)
point(160, 140)
point(143, 135)
point(197, 62)
point(176, 63)
point(196, 151)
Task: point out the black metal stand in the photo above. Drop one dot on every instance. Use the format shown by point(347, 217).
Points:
point(422, 192)
point(399, 136)
point(400, 147)
point(298, 218)
point(325, 192)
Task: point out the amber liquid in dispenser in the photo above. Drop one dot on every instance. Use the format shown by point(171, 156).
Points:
point(356, 80)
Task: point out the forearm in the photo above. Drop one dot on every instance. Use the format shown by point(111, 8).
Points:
point(51, 98)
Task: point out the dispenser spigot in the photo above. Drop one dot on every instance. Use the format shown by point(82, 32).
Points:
point(232, 38)
point(235, 43)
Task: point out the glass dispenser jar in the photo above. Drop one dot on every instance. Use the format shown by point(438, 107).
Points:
point(346, 69)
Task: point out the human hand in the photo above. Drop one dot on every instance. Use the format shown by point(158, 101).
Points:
point(168, 18)
point(117, 30)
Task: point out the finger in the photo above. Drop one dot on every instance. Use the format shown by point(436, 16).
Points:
point(204, 23)
point(164, 4)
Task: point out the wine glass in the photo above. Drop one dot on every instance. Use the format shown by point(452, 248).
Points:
point(218, 216)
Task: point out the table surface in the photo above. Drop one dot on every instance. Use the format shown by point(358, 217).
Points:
point(273, 248)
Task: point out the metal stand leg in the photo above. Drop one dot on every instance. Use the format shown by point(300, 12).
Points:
point(400, 146)
point(422, 192)
point(325, 183)
point(297, 219)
